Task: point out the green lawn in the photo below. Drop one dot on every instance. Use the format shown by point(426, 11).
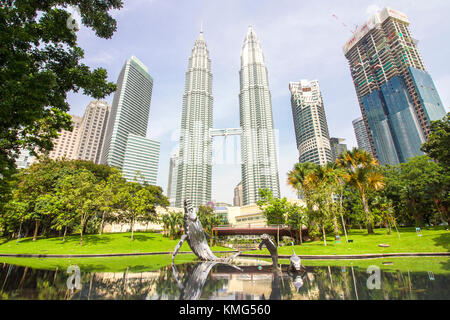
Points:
point(134, 264)
point(96, 244)
point(433, 239)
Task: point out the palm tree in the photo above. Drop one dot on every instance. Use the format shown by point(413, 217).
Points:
point(361, 173)
point(297, 179)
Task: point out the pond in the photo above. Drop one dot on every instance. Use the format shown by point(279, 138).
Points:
point(248, 279)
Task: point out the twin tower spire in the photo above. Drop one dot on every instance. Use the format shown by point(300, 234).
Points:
point(259, 166)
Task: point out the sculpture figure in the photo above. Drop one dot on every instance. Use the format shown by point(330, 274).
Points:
point(192, 287)
point(195, 237)
point(295, 262)
point(265, 240)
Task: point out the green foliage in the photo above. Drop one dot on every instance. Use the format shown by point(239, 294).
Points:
point(361, 173)
point(40, 63)
point(75, 196)
point(419, 191)
point(437, 146)
point(274, 209)
point(173, 223)
point(209, 220)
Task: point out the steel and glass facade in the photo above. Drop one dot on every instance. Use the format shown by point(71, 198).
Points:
point(195, 153)
point(362, 137)
point(141, 159)
point(397, 96)
point(125, 145)
point(310, 122)
point(258, 151)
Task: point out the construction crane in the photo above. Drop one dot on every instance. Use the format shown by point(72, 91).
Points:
point(345, 26)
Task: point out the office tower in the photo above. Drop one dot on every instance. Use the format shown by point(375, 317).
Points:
point(141, 159)
point(195, 166)
point(173, 176)
point(337, 147)
point(92, 131)
point(125, 145)
point(310, 122)
point(66, 145)
point(237, 199)
point(396, 94)
point(362, 137)
point(258, 151)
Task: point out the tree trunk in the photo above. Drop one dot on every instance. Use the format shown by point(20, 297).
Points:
point(324, 236)
point(103, 221)
point(65, 231)
point(132, 227)
point(335, 224)
point(36, 228)
point(368, 217)
point(81, 234)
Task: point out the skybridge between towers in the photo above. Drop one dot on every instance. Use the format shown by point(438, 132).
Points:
point(225, 132)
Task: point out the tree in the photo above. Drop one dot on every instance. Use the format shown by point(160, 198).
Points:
point(40, 64)
point(209, 220)
point(77, 190)
point(274, 209)
point(106, 190)
point(136, 202)
point(173, 223)
point(361, 173)
point(419, 190)
point(437, 146)
point(297, 217)
point(297, 180)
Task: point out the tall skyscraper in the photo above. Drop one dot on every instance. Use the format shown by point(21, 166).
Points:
point(337, 147)
point(125, 145)
point(195, 158)
point(66, 145)
point(258, 151)
point(92, 131)
point(396, 94)
point(237, 199)
point(362, 137)
point(310, 122)
point(173, 176)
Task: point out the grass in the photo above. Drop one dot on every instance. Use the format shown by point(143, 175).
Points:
point(135, 264)
point(433, 239)
point(95, 244)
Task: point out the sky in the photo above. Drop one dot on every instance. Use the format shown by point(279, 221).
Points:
point(300, 40)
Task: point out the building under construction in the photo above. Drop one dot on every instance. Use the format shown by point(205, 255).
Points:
point(397, 96)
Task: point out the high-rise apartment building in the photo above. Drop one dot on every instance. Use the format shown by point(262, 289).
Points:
point(195, 157)
point(362, 137)
point(258, 151)
point(237, 199)
point(397, 96)
point(337, 147)
point(310, 123)
point(125, 145)
point(92, 131)
point(66, 145)
point(173, 176)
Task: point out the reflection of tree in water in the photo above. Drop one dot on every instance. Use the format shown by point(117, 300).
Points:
point(18, 282)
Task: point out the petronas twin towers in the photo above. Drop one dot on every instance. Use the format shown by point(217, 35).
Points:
point(258, 151)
